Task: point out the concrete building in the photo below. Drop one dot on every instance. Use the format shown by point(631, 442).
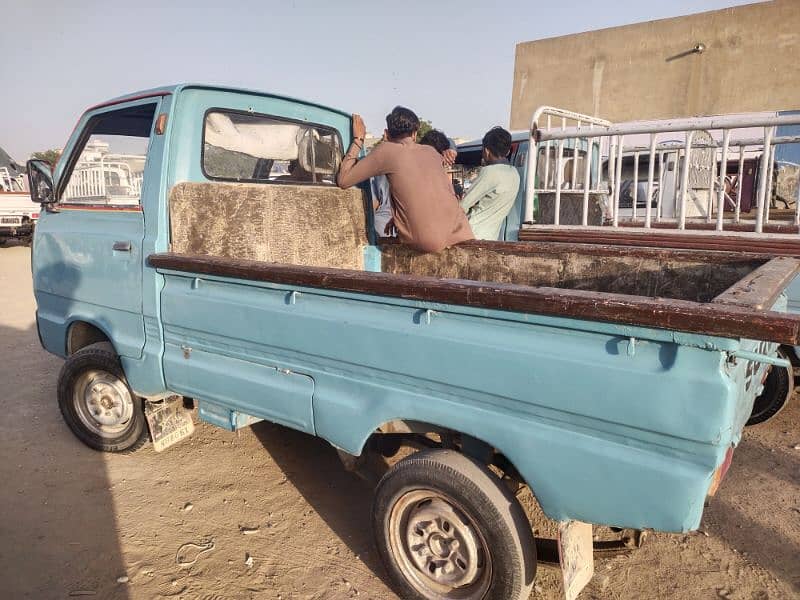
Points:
point(742, 59)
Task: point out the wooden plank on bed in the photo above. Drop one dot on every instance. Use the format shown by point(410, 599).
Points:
point(760, 289)
point(772, 245)
point(678, 315)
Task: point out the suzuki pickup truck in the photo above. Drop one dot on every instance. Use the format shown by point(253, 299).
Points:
point(236, 277)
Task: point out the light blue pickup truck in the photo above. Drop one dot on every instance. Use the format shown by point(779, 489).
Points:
point(193, 250)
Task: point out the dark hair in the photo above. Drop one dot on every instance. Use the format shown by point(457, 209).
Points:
point(437, 139)
point(498, 141)
point(401, 122)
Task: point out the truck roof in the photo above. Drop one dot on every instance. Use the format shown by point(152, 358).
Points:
point(176, 88)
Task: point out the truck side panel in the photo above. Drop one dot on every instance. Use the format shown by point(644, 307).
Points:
point(566, 406)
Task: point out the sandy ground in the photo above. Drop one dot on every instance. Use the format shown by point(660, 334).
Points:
point(73, 522)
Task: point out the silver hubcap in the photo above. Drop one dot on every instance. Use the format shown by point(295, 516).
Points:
point(439, 549)
point(102, 402)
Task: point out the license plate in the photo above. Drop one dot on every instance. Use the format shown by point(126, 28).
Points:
point(576, 555)
point(10, 220)
point(169, 422)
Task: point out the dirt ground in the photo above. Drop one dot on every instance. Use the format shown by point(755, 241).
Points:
point(286, 520)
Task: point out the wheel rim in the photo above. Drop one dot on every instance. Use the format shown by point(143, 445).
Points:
point(438, 548)
point(102, 402)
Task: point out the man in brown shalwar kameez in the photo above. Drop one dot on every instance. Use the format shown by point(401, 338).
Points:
point(425, 211)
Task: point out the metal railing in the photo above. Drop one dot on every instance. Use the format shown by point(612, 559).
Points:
point(609, 140)
point(548, 113)
point(108, 179)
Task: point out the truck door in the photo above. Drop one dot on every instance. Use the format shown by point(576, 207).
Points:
point(88, 247)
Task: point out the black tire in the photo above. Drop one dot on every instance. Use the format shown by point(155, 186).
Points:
point(99, 357)
point(778, 389)
point(480, 499)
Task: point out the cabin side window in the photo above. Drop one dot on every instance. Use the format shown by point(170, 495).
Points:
point(109, 169)
point(265, 149)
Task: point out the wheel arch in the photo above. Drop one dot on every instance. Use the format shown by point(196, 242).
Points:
point(472, 445)
point(82, 333)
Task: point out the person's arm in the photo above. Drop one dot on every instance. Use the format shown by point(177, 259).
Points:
point(352, 170)
point(482, 186)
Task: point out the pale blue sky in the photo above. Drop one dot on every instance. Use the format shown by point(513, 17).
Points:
point(452, 62)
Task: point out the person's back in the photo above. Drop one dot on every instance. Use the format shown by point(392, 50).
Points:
point(425, 210)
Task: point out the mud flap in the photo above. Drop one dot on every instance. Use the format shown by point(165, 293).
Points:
point(169, 422)
point(575, 553)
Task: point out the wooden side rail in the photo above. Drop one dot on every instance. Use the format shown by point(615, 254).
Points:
point(715, 319)
point(761, 288)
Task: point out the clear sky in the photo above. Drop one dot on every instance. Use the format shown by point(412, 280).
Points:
point(450, 61)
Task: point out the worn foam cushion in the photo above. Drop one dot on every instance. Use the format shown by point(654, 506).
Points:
point(293, 224)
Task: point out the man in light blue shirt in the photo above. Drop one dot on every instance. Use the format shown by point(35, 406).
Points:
point(491, 196)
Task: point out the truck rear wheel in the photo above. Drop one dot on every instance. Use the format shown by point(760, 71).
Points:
point(447, 528)
point(97, 403)
point(778, 389)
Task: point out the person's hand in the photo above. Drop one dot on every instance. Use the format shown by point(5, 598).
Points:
point(359, 129)
point(449, 157)
point(389, 227)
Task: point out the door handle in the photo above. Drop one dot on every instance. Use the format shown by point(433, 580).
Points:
point(122, 246)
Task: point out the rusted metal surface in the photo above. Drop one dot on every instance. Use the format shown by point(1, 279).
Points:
point(761, 288)
point(678, 315)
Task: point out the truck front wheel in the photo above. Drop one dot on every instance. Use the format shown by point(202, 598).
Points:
point(778, 389)
point(446, 527)
point(97, 403)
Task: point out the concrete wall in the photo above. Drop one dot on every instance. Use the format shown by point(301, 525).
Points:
point(751, 63)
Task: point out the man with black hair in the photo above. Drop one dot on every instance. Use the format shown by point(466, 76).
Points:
point(491, 196)
point(425, 212)
point(437, 140)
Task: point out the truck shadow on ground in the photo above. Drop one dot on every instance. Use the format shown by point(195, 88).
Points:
point(341, 498)
point(57, 521)
point(747, 524)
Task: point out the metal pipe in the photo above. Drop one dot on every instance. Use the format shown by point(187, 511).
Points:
point(688, 124)
point(723, 171)
point(739, 185)
point(711, 180)
point(797, 205)
point(587, 174)
point(761, 358)
point(547, 155)
point(660, 185)
point(617, 179)
point(762, 183)
point(635, 183)
point(650, 172)
point(784, 139)
point(685, 179)
point(675, 183)
point(768, 198)
point(559, 182)
point(530, 177)
point(573, 179)
point(612, 164)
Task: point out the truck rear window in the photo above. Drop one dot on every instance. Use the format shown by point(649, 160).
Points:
point(260, 148)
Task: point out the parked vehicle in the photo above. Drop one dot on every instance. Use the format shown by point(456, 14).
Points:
point(18, 213)
point(238, 277)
